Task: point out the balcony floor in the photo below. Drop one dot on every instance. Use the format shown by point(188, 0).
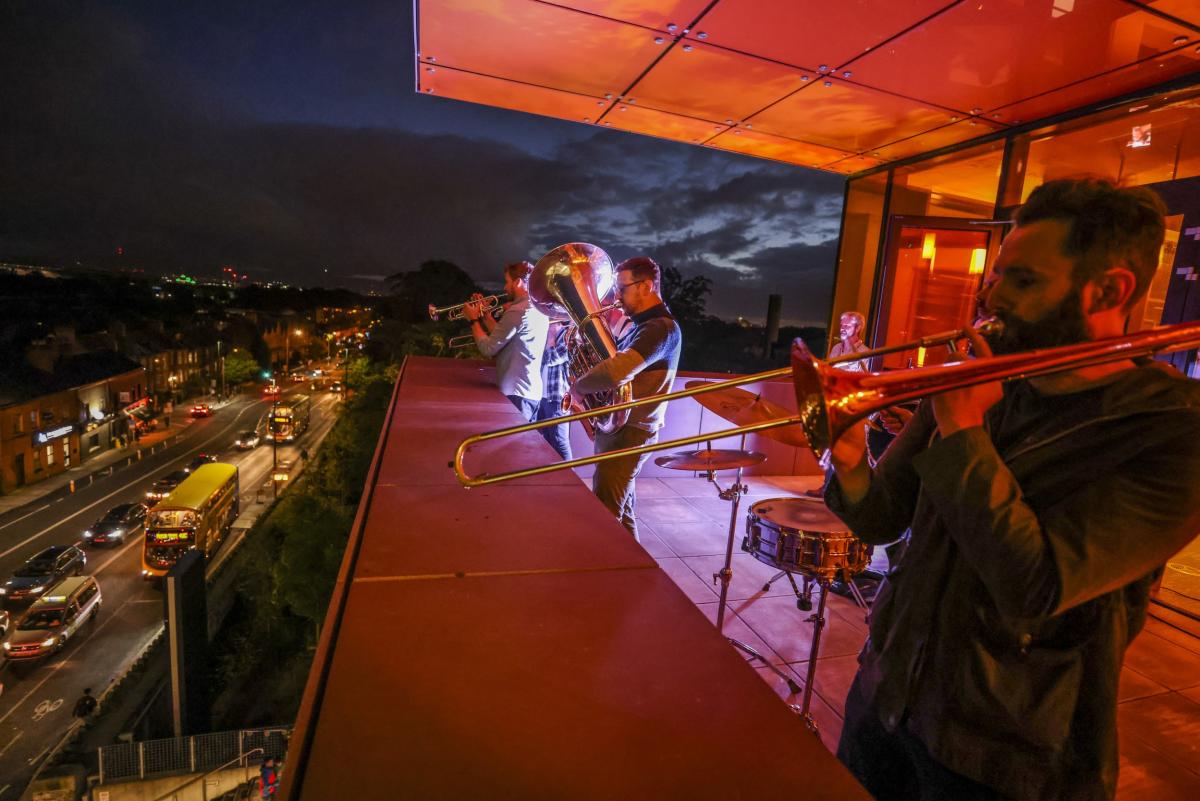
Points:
point(684, 526)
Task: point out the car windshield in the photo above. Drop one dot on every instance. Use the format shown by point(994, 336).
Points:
point(118, 512)
point(34, 570)
point(248, 434)
point(43, 619)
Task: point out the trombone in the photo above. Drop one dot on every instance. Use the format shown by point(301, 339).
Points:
point(455, 311)
point(830, 400)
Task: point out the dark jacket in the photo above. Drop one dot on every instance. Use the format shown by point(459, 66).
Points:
point(998, 640)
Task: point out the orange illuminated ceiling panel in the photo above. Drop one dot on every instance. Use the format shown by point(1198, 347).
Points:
point(932, 140)
point(809, 34)
point(445, 82)
point(899, 72)
point(647, 121)
point(853, 164)
point(535, 43)
point(712, 83)
point(776, 148)
point(657, 14)
point(1186, 10)
point(1166, 66)
point(986, 54)
point(847, 116)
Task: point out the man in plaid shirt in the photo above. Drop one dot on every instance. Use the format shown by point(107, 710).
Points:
point(554, 388)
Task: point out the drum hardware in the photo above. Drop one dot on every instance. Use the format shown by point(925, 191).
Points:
point(798, 535)
point(709, 461)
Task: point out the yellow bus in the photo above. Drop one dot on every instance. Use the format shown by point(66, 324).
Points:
point(289, 418)
point(197, 514)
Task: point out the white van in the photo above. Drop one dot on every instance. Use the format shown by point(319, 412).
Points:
point(54, 618)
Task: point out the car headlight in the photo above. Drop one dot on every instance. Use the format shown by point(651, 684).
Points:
point(7, 645)
point(46, 643)
point(87, 534)
point(3, 590)
point(38, 588)
point(118, 532)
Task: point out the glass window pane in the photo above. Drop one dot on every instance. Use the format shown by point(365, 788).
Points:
point(862, 223)
point(962, 184)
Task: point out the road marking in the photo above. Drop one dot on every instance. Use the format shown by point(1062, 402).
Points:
point(16, 737)
point(39, 755)
point(4, 789)
point(22, 517)
point(46, 707)
point(73, 515)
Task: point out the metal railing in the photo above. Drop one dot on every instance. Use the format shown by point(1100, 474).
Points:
point(200, 752)
point(240, 759)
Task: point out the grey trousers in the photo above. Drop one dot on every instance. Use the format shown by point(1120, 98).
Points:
point(613, 481)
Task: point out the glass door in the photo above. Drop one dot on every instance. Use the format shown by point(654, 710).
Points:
point(933, 268)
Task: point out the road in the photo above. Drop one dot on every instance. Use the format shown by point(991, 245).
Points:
point(35, 707)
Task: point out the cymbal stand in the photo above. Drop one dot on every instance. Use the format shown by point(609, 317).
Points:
point(734, 494)
point(818, 624)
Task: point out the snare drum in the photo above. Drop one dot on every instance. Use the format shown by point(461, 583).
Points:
point(802, 536)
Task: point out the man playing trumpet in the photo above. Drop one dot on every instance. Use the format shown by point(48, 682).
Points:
point(516, 340)
point(1041, 513)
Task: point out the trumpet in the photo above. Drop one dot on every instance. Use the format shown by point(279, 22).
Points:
point(830, 400)
point(455, 312)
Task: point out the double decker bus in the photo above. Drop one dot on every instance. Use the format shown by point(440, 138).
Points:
point(289, 418)
point(197, 514)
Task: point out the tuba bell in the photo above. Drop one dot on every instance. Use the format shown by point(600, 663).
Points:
point(571, 284)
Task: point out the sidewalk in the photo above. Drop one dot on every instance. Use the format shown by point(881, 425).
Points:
point(100, 466)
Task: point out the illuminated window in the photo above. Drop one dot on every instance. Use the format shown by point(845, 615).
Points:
point(963, 184)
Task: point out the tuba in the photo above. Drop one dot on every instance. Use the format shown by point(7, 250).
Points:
point(571, 284)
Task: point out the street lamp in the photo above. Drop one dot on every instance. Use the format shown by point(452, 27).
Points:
point(287, 349)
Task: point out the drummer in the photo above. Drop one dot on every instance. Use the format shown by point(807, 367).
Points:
point(1041, 512)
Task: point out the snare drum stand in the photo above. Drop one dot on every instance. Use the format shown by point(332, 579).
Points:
point(734, 494)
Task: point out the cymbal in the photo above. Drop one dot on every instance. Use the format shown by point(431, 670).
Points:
point(710, 459)
point(744, 408)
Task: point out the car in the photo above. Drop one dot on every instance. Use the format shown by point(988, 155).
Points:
point(247, 440)
point(53, 619)
point(201, 410)
point(162, 488)
point(336, 386)
point(298, 378)
point(41, 572)
point(117, 524)
point(271, 391)
point(201, 459)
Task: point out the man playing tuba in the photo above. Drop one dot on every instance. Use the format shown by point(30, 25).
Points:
point(647, 356)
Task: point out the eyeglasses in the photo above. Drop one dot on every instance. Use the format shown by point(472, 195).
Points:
point(622, 287)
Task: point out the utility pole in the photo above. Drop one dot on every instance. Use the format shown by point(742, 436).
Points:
point(274, 448)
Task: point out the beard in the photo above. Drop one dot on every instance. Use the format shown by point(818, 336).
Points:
point(1064, 325)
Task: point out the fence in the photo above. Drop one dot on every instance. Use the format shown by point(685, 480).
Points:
point(193, 754)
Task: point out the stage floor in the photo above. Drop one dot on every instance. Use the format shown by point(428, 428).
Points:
point(684, 526)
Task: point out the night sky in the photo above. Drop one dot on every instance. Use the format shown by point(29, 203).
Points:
point(286, 139)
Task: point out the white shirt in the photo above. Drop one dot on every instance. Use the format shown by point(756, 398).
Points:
point(517, 343)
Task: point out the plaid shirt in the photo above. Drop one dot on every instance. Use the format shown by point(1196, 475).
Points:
point(554, 365)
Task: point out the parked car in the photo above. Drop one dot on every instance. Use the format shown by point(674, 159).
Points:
point(117, 524)
point(201, 410)
point(201, 458)
point(41, 572)
point(53, 619)
point(247, 440)
point(162, 488)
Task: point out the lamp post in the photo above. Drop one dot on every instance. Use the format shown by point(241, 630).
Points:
point(274, 448)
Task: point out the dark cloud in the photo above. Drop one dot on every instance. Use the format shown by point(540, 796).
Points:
point(123, 142)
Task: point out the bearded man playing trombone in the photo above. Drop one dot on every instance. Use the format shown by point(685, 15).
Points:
point(1041, 513)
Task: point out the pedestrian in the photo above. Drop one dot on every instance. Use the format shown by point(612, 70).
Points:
point(268, 779)
point(85, 706)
